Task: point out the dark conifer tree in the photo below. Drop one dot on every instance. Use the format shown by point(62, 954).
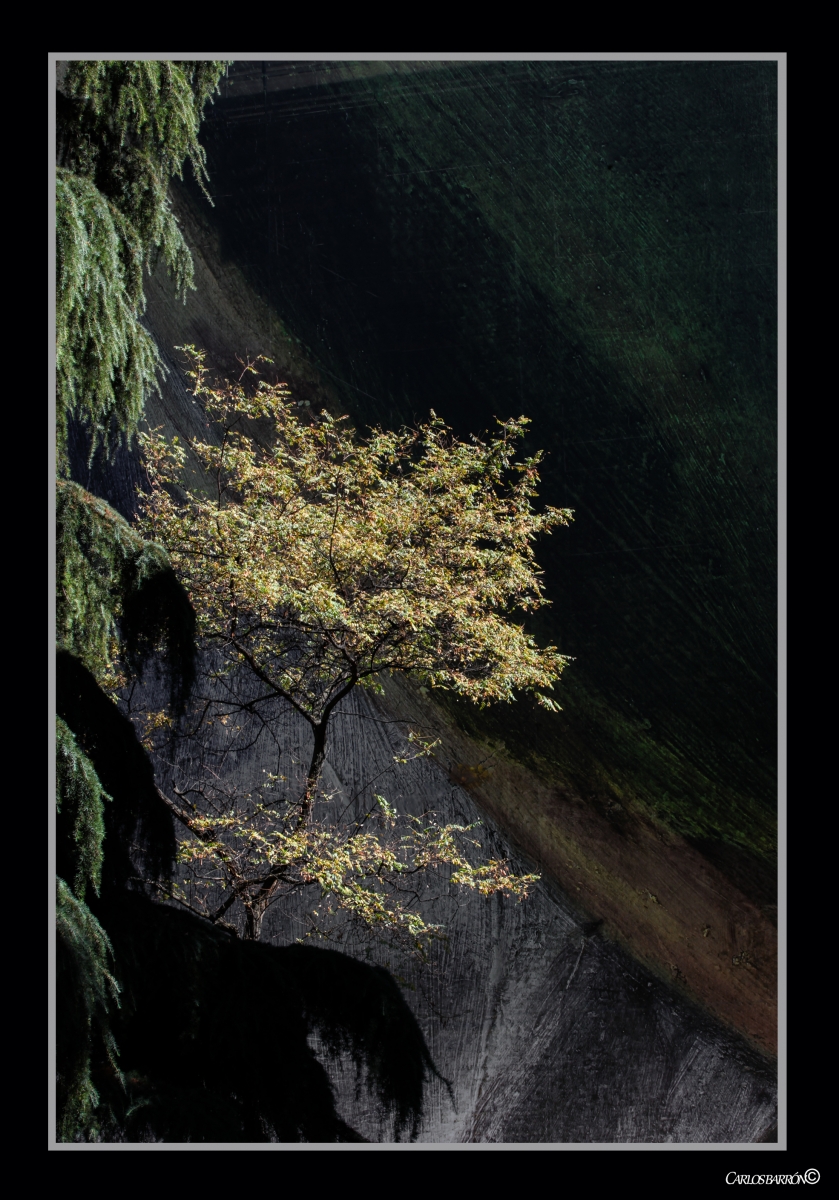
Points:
point(156, 1037)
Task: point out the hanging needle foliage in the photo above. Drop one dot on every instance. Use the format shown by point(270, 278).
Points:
point(124, 130)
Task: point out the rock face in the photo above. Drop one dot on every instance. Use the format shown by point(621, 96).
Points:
point(592, 245)
point(547, 1029)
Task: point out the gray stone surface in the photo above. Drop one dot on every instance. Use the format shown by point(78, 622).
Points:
point(547, 1032)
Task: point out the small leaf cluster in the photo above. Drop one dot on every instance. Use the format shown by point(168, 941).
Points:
point(374, 874)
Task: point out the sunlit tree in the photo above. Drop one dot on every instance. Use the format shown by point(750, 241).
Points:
point(150, 1040)
point(319, 561)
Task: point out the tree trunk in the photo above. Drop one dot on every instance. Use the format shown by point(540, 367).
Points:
point(255, 909)
point(315, 768)
point(253, 918)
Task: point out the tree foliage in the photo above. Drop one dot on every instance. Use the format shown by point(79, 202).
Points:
point(124, 130)
point(117, 595)
point(315, 566)
point(331, 558)
point(80, 800)
point(364, 876)
point(137, 827)
point(154, 1040)
point(88, 995)
point(84, 966)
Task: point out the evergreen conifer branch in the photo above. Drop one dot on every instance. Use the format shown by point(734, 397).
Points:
point(117, 594)
point(88, 994)
point(126, 129)
point(80, 801)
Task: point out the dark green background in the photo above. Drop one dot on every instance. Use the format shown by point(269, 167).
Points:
point(592, 245)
